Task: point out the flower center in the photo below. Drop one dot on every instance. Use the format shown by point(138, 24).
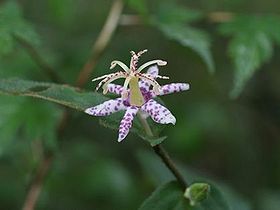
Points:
point(136, 97)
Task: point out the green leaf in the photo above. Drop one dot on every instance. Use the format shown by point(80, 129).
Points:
point(171, 197)
point(76, 99)
point(13, 25)
point(190, 37)
point(248, 53)
point(251, 45)
point(167, 197)
point(174, 22)
point(28, 119)
point(61, 94)
point(221, 197)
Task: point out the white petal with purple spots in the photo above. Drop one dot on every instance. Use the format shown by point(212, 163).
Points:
point(173, 88)
point(144, 84)
point(158, 113)
point(126, 122)
point(116, 89)
point(153, 70)
point(106, 108)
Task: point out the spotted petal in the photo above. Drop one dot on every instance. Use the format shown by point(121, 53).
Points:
point(153, 71)
point(126, 122)
point(158, 113)
point(173, 88)
point(106, 108)
point(116, 89)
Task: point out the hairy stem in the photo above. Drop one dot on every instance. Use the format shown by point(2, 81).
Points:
point(101, 42)
point(36, 57)
point(163, 154)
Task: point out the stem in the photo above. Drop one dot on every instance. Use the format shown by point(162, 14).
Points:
point(220, 17)
point(101, 42)
point(163, 154)
point(37, 183)
point(215, 17)
point(48, 70)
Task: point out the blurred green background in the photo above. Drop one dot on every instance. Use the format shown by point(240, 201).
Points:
point(235, 142)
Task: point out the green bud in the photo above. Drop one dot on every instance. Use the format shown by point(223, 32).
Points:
point(197, 192)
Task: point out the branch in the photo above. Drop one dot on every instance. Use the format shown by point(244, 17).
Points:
point(220, 17)
point(48, 70)
point(37, 183)
point(101, 42)
point(215, 17)
point(163, 154)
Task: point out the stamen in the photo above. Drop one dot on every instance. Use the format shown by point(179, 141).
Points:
point(108, 78)
point(151, 81)
point(125, 92)
point(162, 77)
point(99, 78)
point(117, 76)
point(158, 62)
point(154, 77)
point(135, 58)
point(121, 64)
point(141, 52)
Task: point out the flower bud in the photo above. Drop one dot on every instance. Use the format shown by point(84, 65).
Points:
point(197, 192)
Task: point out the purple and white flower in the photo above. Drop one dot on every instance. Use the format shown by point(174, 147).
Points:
point(132, 74)
point(156, 111)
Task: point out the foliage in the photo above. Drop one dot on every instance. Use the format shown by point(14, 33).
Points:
point(232, 140)
point(168, 196)
point(174, 22)
point(13, 26)
point(251, 45)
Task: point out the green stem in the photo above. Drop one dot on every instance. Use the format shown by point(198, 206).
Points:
point(163, 154)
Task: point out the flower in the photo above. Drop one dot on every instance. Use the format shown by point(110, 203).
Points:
point(158, 112)
point(132, 76)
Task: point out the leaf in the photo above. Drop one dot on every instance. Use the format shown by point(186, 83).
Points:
point(193, 38)
point(167, 197)
point(174, 22)
point(248, 53)
point(221, 197)
point(13, 25)
point(28, 119)
point(76, 99)
point(61, 94)
point(251, 45)
point(171, 197)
